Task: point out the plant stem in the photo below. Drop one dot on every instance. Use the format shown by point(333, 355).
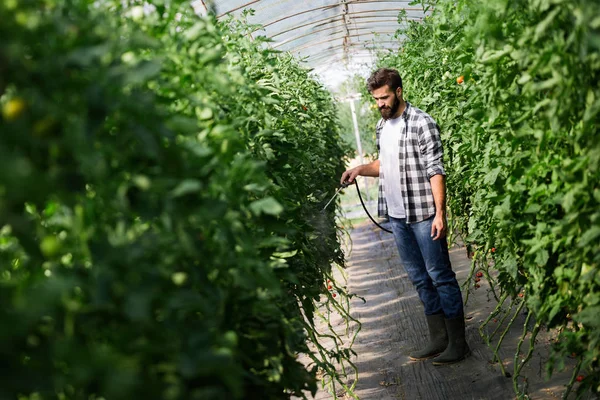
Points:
point(504, 335)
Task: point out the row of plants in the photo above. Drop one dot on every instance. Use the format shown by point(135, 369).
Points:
point(160, 206)
point(514, 87)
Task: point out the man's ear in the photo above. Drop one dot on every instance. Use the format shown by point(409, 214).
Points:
point(399, 92)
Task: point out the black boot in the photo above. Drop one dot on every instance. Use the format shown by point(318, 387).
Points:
point(457, 348)
point(438, 338)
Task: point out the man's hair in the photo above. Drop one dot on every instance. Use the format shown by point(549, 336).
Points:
point(382, 77)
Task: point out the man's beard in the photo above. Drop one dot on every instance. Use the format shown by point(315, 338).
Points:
point(388, 112)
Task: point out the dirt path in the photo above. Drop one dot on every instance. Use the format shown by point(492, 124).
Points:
point(393, 325)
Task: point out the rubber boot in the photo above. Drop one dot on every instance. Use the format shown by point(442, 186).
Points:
point(438, 338)
point(457, 348)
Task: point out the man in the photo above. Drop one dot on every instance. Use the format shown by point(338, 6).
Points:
point(412, 192)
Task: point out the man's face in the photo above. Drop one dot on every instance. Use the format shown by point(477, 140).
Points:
point(387, 101)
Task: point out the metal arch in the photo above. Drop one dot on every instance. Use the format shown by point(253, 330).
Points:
point(343, 21)
point(335, 38)
point(334, 54)
point(300, 13)
point(237, 8)
point(318, 54)
point(374, 21)
point(356, 25)
point(347, 37)
point(338, 58)
point(357, 13)
point(333, 58)
point(204, 6)
point(364, 46)
point(407, 2)
point(353, 28)
point(338, 5)
point(356, 47)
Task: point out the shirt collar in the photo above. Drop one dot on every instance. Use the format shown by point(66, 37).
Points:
point(406, 111)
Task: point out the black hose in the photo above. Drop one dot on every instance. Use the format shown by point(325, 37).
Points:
point(367, 211)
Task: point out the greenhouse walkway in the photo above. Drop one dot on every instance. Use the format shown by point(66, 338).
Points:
point(392, 325)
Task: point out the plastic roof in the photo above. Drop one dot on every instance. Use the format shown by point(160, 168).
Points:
point(330, 35)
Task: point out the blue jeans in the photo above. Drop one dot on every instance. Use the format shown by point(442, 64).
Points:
point(427, 264)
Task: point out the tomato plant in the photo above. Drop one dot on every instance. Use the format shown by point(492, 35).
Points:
point(520, 132)
point(160, 205)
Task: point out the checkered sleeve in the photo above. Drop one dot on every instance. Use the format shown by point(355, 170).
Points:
point(430, 144)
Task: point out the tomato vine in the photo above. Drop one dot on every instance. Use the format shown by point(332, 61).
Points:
point(513, 85)
point(160, 206)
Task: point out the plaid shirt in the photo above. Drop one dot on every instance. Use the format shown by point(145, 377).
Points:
point(420, 159)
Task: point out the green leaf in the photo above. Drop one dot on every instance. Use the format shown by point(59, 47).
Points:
point(490, 177)
point(569, 200)
point(268, 205)
point(195, 31)
point(204, 113)
point(589, 317)
point(543, 26)
point(541, 257)
point(533, 209)
point(186, 187)
point(143, 73)
point(511, 267)
point(285, 254)
point(589, 236)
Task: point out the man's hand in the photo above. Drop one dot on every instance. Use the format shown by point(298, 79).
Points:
point(438, 227)
point(439, 224)
point(350, 175)
point(371, 169)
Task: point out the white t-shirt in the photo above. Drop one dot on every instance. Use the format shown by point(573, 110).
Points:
point(390, 165)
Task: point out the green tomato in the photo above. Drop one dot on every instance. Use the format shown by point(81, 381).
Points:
point(50, 246)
